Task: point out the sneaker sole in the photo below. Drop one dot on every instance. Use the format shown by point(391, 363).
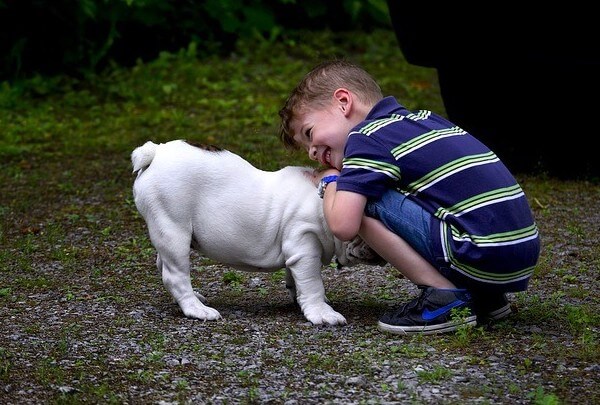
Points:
point(500, 313)
point(427, 329)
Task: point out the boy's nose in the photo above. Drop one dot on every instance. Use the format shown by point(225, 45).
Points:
point(312, 152)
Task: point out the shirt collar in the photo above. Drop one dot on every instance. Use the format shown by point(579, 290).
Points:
point(385, 107)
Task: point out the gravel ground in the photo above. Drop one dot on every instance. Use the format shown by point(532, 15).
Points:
point(101, 328)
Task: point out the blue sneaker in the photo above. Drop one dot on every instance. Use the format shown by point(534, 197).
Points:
point(430, 313)
point(491, 306)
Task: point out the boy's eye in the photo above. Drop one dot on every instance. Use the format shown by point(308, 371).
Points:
point(308, 133)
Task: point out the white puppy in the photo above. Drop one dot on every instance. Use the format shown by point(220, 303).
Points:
point(218, 203)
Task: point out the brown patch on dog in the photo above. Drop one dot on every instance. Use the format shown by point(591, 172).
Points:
point(210, 148)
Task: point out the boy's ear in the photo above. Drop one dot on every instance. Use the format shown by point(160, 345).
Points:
point(343, 97)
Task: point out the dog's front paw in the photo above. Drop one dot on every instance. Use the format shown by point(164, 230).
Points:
point(323, 314)
point(193, 308)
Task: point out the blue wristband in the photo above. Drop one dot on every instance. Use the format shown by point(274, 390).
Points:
point(324, 182)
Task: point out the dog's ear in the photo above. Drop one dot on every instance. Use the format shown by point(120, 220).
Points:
point(311, 175)
point(357, 250)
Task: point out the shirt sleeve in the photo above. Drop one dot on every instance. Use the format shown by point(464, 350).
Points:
point(368, 167)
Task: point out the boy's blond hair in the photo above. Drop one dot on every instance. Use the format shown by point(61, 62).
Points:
point(316, 90)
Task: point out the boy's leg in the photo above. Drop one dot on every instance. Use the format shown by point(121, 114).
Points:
point(434, 310)
point(401, 255)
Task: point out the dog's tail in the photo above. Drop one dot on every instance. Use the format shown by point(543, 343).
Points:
point(142, 156)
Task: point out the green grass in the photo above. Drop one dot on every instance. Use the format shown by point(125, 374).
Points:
point(178, 96)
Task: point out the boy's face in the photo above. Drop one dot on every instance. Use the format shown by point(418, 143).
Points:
point(323, 133)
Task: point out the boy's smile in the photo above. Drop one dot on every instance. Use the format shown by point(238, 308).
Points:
point(322, 133)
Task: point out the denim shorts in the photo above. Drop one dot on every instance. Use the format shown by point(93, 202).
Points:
point(406, 219)
point(412, 223)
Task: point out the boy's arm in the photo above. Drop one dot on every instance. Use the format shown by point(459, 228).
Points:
point(343, 211)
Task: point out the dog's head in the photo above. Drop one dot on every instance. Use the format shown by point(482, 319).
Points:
point(356, 251)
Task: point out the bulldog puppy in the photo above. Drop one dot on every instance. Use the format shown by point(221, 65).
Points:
point(216, 202)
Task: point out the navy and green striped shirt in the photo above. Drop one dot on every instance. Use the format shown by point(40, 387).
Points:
point(486, 230)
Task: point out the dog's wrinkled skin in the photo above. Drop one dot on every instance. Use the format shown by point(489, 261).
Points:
point(253, 220)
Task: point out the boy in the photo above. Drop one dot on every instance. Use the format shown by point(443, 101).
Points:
point(427, 196)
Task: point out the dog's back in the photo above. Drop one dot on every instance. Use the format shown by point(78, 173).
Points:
point(181, 154)
point(180, 185)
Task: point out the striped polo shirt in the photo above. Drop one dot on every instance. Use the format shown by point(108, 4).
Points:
point(486, 230)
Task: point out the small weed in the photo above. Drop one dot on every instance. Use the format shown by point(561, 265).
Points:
point(248, 378)
point(33, 283)
point(49, 372)
point(569, 278)
point(576, 230)
point(464, 332)
point(533, 307)
point(473, 391)
point(253, 394)
point(233, 278)
point(578, 318)
point(514, 388)
point(65, 255)
point(436, 375)
point(158, 341)
point(29, 244)
point(182, 384)
point(409, 350)
point(577, 291)
point(103, 393)
point(278, 276)
point(33, 328)
point(240, 339)
point(143, 376)
point(154, 357)
point(540, 397)
point(385, 294)
point(589, 347)
point(5, 365)
point(539, 341)
point(106, 231)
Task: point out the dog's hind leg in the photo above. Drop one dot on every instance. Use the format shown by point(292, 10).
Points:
point(159, 265)
point(173, 261)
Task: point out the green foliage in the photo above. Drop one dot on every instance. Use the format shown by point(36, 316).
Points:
point(83, 37)
point(231, 102)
